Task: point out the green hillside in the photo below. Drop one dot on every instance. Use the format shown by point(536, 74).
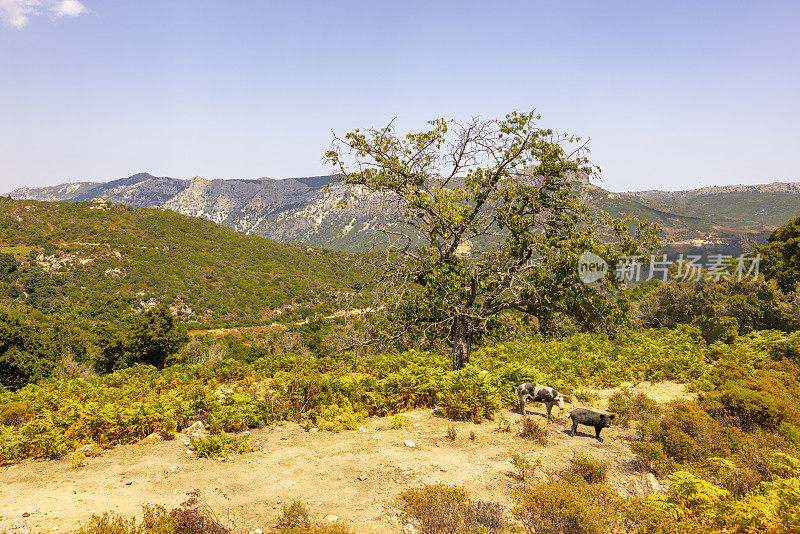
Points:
point(101, 260)
point(753, 211)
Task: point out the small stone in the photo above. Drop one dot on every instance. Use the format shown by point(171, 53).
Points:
point(406, 473)
point(246, 433)
point(331, 517)
point(173, 468)
point(128, 483)
point(409, 529)
point(187, 443)
point(362, 476)
point(26, 514)
point(188, 451)
point(258, 462)
point(257, 531)
point(55, 528)
point(315, 429)
point(409, 443)
point(153, 438)
point(197, 430)
point(653, 483)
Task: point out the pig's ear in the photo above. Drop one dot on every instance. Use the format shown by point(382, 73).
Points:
point(612, 416)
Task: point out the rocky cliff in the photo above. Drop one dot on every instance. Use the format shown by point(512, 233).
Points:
point(322, 212)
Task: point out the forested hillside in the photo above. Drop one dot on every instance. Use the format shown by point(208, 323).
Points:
point(99, 260)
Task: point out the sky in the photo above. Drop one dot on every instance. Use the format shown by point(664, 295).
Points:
point(673, 95)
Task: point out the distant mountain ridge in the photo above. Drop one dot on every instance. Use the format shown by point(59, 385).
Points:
point(322, 212)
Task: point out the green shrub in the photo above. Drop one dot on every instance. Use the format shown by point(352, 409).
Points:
point(523, 468)
point(220, 446)
point(15, 413)
point(295, 519)
point(445, 509)
point(78, 459)
point(468, 394)
point(399, 421)
point(9, 446)
point(592, 470)
point(451, 433)
point(533, 431)
point(337, 418)
point(652, 457)
point(629, 406)
point(569, 506)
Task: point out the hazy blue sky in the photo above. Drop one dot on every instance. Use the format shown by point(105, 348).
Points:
point(674, 95)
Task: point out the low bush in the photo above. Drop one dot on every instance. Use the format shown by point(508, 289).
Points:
point(336, 418)
point(442, 509)
point(631, 406)
point(523, 468)
point(220, 446)
point(533, 431)
point(295, 519)
point(469, 394)
point(592, 470)
point(399, 421)
point(78, 459)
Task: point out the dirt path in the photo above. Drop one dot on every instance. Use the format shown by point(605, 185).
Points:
point(355, 475)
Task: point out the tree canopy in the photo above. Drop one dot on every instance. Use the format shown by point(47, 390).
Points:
point(782, 255)
point(485, 222)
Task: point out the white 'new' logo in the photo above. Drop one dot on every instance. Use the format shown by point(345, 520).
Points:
point(591, 267)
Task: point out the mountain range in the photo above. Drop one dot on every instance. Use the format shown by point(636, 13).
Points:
point(320, 211)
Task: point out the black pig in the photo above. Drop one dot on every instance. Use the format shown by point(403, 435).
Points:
point(586, 417)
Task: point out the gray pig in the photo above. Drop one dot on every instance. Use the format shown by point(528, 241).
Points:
point(537, 392)
point(586, 417)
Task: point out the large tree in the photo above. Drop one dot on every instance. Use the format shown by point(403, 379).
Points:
point(782, 255)
point(485, 222)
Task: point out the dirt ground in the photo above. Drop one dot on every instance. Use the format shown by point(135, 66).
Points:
point(354, 475)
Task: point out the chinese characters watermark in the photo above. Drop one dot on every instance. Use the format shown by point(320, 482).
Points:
point(634, 269)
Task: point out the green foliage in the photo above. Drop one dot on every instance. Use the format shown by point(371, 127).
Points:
point(8, 267)
point(571, 505)
point(629, 406)
point(533, 431)
point(152, 339)
point(399, 421)
point(191, 517)
point(510, 172)
point(210, 273)
point(53, 417)
point(77, 459)
point(452, 433)
point(468, 394)
point(337, 418)
point(295, 519)
point(27, 351)
point(442, 509)
point(220, 446)
point(523, 468)
point(782, 255)
point(592, 470)
point(720, 309)
point(595, 360)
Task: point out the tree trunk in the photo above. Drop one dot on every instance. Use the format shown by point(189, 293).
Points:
point(462, 343)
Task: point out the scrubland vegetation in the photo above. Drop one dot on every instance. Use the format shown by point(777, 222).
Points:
point(78, 370)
